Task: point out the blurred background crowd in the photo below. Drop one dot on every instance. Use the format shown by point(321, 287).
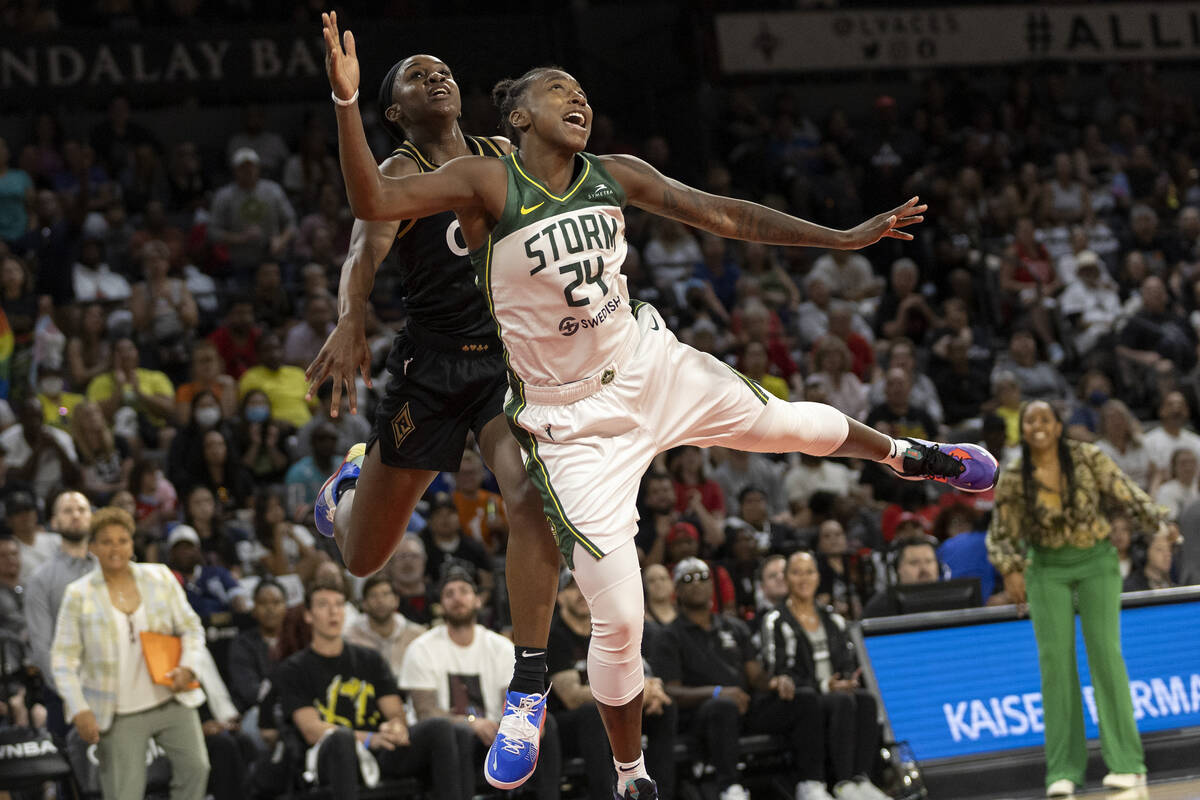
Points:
point(163, 289)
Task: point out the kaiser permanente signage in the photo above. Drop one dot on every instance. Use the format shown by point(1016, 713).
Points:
point(976, 688)
point(918, 37)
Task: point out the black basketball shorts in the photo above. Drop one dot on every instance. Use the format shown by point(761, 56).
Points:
point(440, 387)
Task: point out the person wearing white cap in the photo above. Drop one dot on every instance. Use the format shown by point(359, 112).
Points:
point(251, 216)
point(1090, 302)
point(211, 589)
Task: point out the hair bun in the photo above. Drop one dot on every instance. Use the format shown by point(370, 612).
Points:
point(500, 91)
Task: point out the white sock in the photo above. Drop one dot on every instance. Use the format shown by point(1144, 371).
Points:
point(628, 773)
point(895, 459)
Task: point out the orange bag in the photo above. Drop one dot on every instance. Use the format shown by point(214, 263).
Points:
point(162, 652)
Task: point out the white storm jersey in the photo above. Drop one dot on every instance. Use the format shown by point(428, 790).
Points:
point(551, 271)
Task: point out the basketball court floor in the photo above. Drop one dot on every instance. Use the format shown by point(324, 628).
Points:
point(1169, 789)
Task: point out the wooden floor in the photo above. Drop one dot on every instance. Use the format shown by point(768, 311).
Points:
point(1183, 789)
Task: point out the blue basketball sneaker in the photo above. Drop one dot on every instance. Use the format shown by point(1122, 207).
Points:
point(966, 467)
point(513, 755)
point(328, 496)
point(641, 789)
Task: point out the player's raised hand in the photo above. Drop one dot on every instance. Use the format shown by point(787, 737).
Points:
point(887, 225)
point(341, 64)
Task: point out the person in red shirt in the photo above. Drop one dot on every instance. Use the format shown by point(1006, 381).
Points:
point(1029, 277)
point(237, 339)
point(696, 493)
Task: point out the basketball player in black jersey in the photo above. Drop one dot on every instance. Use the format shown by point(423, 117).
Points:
point(447, 374)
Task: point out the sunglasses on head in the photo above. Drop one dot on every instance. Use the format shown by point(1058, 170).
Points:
point(694, 576)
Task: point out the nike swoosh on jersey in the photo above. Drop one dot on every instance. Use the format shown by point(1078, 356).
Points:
point(530, 210)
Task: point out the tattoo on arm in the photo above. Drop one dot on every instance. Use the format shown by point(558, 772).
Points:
point(726, 216)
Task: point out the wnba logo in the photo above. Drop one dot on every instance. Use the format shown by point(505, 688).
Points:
point(567, 326)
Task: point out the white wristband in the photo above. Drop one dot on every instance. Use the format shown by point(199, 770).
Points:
point(342, 102)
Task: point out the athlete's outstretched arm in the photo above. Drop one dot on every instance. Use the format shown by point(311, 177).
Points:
point(345, 350)
point(373, 195)
point(649, 189)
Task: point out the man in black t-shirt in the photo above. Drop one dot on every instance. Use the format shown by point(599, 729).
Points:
point(340, 696)
point(574, 709)
point(711, 670)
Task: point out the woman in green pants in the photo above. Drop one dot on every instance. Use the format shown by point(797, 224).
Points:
point(1049, 537)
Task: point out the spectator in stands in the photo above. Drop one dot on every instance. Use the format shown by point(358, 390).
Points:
point(753, 364)
point(1065, 198)
point(656, 515)
point(416, 592)
point(771, 587)
point(71, 519)
point(205, 413)
point(17, 297)
point(237, 340)
point(660, 595)
point(38, 454)
point(962, 384)
point(741, 562)
point(683, 543)
point(1156, 573)
point(99, 669)
point(382, 627)
point(580, 727)
point(805, 644)
point(903, 310)
point(148, 394)
point(670, 254)
point(1090, 304)
point(21, 518)
point(251, 661)
point(812, 316)
point(712, 672)
point(16, 198)
point(912, 560)
point(718, 269)
point(268, 146)
point(207, 375)
point(1038, 379)
point(117, 137)
point(157, 503)
point(696, 494)
point(964, 555)
point(92, 278)
point(218, 542)
point(1181, 490)
point(261, 438)
point(480, 512)
point(447, 546)
point(57, 403)
point(902, 354)
point(280, 546)
point(89, 353)
point(762, 270)
point(350, 428)
point(305, 477)
point(769, 535)
point(105, 461)
point(211, 590)
point(836, 587)
point(754, 322)
point(843, 390)
point(219, 470)
point(897, 414)
point(811, 474)
point(283, 384)
point(738, 470)
point(164, 312)
point(339, 696)
point(1053, 538)
point(304, 340)
point(311, 169)
point(1121, 439)
point(848, 274)
point(12, 616)
point(252, 216)
point(1160, 443)
point(1156, 332)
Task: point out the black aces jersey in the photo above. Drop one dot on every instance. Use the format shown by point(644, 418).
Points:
point(435, 270)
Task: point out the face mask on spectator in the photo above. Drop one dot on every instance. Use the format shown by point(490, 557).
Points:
point(51, 385)
point(209, 416)
point(258, 413)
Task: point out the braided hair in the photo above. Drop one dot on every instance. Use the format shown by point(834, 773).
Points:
point(507, 94)
point(1065, 462)
point(384, 102)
